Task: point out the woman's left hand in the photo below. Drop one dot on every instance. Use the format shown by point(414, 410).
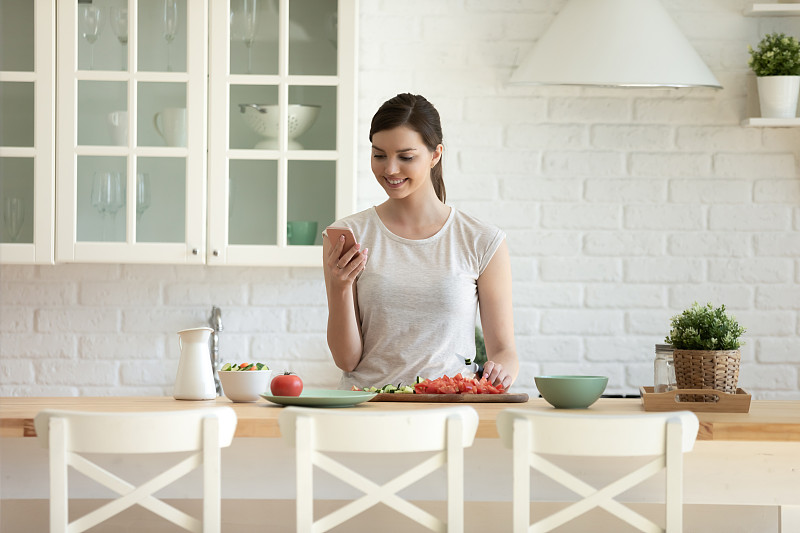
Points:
point(496, 374)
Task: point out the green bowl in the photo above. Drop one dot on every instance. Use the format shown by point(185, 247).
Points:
point(571, 392)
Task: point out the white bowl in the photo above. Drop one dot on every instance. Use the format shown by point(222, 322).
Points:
point(264, 120)
point(244, 385)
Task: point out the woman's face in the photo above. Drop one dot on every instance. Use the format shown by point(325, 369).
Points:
point(401, 162)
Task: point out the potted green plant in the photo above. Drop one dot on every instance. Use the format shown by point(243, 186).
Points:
point(706, 342)
point(776, 63)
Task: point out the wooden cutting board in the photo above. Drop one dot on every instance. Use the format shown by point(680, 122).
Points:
point(451, 398)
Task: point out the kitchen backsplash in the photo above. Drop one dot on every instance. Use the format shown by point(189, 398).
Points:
point(622, 207)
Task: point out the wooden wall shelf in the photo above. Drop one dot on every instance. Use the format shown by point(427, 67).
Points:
point(771, 122)
point(772, 9)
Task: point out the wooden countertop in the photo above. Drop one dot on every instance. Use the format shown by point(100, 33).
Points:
point(767, 420)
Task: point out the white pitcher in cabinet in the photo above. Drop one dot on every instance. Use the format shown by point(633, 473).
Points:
point(195, 379)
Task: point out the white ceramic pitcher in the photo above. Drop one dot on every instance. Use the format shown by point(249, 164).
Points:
point(195, 379)
point(173, 125)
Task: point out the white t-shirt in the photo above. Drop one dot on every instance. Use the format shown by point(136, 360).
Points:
point(418, 299)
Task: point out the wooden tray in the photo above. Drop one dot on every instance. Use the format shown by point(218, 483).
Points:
point(667, 401)
point(451, 398)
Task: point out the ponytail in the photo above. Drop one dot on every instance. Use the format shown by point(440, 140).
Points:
point(438, 181)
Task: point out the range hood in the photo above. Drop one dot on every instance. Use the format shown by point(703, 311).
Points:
point(614, 43)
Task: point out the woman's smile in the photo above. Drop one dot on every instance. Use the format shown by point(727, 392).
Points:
point(396, 182)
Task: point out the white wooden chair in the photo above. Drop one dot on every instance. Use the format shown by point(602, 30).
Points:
point(533, 433)
point(70, 434)
point(315, 432)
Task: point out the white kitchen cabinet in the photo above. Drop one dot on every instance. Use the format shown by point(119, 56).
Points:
point(125, 192)
point(769, 9)
point(281, 128)
point(27, 130)
point(158, 163)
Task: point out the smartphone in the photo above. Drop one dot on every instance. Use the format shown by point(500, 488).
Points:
point(335, 232)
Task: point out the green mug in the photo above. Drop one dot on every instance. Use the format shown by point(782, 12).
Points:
point(301, 232)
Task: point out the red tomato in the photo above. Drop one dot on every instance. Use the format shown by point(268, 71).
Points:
point(286, 384)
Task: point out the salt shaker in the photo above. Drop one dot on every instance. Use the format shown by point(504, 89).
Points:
point(664, 369)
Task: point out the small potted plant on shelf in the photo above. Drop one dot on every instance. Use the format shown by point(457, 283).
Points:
point(706, 355)
point(776, 63)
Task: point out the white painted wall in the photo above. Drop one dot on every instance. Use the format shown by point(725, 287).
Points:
point(622, 207)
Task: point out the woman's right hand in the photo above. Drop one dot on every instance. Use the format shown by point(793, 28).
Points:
point(343, 271)
point(344, 324)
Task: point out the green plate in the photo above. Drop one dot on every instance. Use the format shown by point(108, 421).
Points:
point(322, 398)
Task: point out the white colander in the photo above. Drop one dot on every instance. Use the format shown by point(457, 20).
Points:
point(264, 119)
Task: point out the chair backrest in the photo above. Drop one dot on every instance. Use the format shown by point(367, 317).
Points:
point(69, 435)
point(569, 433)
point(367, 431)
point(136, 432)
point(533, 434)
point(316, 433)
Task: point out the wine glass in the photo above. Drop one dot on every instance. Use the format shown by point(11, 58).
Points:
point(91, 23)
point(107, 196)
point(142, 193)
point(332, 29)
point(243, 26)
point(119, 23)
point(170, 25)
point(116, 198)
point(99, 196)
point(13, 216)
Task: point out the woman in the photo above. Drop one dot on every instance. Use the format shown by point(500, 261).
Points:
point(412, 312)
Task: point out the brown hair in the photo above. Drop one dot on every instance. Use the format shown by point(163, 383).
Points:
point(415, 112)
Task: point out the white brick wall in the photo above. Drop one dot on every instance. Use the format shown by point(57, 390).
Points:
point(622, 207)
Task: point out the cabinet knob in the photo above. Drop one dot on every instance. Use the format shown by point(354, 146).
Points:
point(194, 251)
point(216, 253)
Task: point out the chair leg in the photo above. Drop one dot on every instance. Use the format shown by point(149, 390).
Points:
point(305, 473)
point(674, 474)
point(212, 504)
point(788, 518)
point(455, 476)
point(59, 501)
point(521, 476)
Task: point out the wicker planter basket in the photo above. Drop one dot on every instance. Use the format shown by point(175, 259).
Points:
point(706, 369)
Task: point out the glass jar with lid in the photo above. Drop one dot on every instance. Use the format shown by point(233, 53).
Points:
point(664, 369)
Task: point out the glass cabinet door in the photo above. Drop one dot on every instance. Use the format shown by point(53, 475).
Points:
point(131, 121)
point(27, 132)
point(281, 128)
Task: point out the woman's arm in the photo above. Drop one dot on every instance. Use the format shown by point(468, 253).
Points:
point(344, 327)
point(497, 319)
